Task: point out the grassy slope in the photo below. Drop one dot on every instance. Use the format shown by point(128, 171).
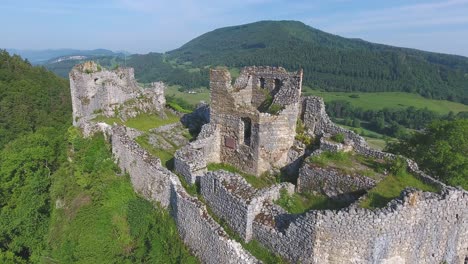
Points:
point(98, 218)
point(380, 100)
point(391, 187)
point(367, 101)
point(143, 122)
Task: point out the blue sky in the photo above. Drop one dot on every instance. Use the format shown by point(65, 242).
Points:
point(143, 25)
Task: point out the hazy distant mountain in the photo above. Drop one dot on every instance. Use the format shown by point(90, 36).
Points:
point(55, 55)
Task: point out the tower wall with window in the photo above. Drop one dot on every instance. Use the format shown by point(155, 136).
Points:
point(256, 116)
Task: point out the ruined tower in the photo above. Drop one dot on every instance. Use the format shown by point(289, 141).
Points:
point(256, 116)
point(111, 93)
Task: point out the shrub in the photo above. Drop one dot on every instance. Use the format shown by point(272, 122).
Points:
point(339, 138)
point(274, 109)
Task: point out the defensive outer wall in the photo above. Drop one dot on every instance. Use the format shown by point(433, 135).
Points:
point(418, 227)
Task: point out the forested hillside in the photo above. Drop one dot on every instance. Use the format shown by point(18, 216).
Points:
point(62, 198)
point(30, 98)
point(331, 62)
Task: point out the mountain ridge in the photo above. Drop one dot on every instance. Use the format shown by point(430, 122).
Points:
point(330, 62)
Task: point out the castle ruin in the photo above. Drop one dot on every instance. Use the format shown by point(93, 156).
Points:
point(97, 91)
point(256, 116)
point(253, 127)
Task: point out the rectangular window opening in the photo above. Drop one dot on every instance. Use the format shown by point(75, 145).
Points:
point(215, 185)
point(247, 124)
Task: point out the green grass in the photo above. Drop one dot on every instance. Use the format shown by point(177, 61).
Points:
point(102, 219)
point(362, 131)
point(376, 143)
point(259, 182)
point(391, 187)
point(203, 94)
point(337, 159)
point(143, 122)
point(166, 156)
point(338, 138)
point(235, 72)
point(107, 120)
point(299, 203)
point(380, 100)
point(351, 163)
point(178, 108)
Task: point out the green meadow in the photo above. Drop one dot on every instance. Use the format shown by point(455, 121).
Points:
point(380, 100)
point(367, 101)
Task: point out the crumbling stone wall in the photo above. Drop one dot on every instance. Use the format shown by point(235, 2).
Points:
point(191, 160)
point(206, 238)
point(420, 227)
point(333, 182)
point(96, 90)
point(251, 138)
point(236, 201)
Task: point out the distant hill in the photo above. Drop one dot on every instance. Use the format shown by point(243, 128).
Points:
point(55, 55)
point(331, 62)
point(30, 98)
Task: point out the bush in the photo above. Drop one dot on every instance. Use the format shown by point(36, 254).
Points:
point(274, 109)
point(339, 138)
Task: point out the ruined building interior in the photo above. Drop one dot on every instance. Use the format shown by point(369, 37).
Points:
point(258, 124)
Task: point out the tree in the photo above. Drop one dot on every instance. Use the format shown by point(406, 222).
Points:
point(25, 168)
point(441, 150)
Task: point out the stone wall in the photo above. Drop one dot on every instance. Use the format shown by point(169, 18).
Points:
point(149, 178)
point(332, 182)
point(230, 197)
point(236, 201)
point(205, 238)
point(191, 160)
point(317, 122)
point(420, 227)
point(95, 90)
point(202, 234)
point(252, 138)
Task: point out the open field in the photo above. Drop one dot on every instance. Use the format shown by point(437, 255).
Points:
point(367, 101)
point(202, 94)
point(376, 101)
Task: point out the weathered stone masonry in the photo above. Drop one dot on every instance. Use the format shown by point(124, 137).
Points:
point(251, 138)
point(199, 231)
point(111, 93)
point(418, 227)
point(237, 202)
